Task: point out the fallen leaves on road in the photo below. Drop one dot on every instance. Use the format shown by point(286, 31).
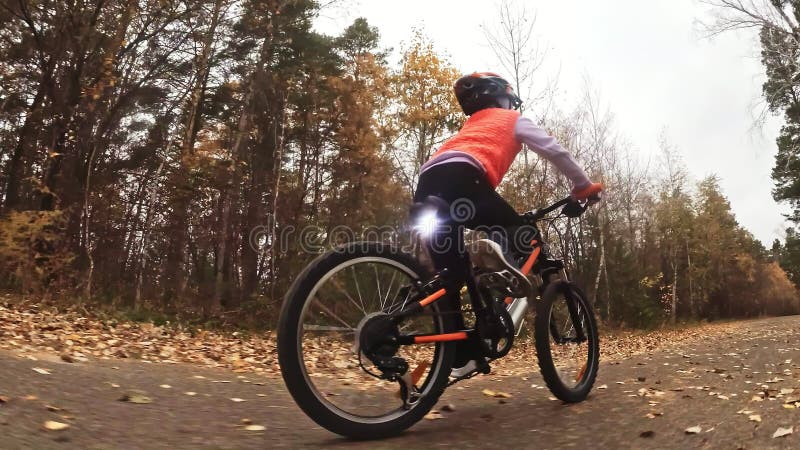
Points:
point(693, 430)
point(255, 428)
point(780, 432)
point(73, 334)
point(136, 397)
point(41, 371)
point(495, 394)
point(434, 415)
point(754, 417)
point(52, 425)
point(191, 393)
point(165, 386)
point(448, 407)
point(238, 400)
point(27, 328)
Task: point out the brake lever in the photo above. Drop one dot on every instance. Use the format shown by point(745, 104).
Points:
point(531, 217)
point(573, 209)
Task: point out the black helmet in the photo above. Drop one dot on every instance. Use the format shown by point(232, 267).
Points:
point(481, 90)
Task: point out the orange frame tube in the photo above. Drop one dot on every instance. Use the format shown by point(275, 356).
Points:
point(526, 268)
point(432, 298)
point(459, 336)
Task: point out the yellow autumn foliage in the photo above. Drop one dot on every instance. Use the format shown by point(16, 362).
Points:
point(33, 253)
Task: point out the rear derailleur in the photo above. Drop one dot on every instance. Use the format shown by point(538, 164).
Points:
point(378, 338)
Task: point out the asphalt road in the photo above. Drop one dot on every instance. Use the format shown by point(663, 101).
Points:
point(645, 401)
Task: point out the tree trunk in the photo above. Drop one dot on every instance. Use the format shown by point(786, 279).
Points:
point(146, 232)
point(673, 312)
point(689, 277)
point(222, 255)
point(176, 263)
point(274, 219)
point(600, 268)
point(248, 255)
point(15, 164)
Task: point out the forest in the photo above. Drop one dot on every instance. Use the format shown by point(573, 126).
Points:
point(153, 154)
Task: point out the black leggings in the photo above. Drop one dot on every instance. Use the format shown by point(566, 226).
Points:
point(473, 204)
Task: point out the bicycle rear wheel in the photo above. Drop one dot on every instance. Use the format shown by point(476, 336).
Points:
point(320, 363)
point(567, 345)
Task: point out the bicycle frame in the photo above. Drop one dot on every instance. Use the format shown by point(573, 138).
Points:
point(526, 269)
point(529, 264)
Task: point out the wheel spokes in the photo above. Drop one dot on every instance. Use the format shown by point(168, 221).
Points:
point(335, 368)
point(332, 314)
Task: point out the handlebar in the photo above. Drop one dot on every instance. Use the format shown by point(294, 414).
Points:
point(536, 215)
point(576, 208)
point(555, 206)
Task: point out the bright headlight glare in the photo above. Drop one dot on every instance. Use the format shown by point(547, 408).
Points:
point(426, 223)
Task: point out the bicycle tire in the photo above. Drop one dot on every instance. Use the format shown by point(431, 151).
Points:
point(290, 359)
point(542, 333)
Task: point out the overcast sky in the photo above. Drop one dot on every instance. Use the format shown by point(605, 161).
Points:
point(651, 66)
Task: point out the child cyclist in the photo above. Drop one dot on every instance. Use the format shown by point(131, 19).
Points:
point(467, 168)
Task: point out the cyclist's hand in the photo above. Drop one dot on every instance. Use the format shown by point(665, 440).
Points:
point(591, 193)
point(594, 199)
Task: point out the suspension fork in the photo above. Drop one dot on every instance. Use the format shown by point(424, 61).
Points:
point(574, 314)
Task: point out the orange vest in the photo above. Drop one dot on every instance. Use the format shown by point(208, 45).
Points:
point(488, 136)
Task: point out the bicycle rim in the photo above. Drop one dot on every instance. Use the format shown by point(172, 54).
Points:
point(327, 332)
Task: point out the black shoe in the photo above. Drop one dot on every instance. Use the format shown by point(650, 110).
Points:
point(467, 360)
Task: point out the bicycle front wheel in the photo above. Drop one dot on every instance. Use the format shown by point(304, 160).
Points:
point(567, 345)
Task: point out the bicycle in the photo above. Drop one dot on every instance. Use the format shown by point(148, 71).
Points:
point(366, 346)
